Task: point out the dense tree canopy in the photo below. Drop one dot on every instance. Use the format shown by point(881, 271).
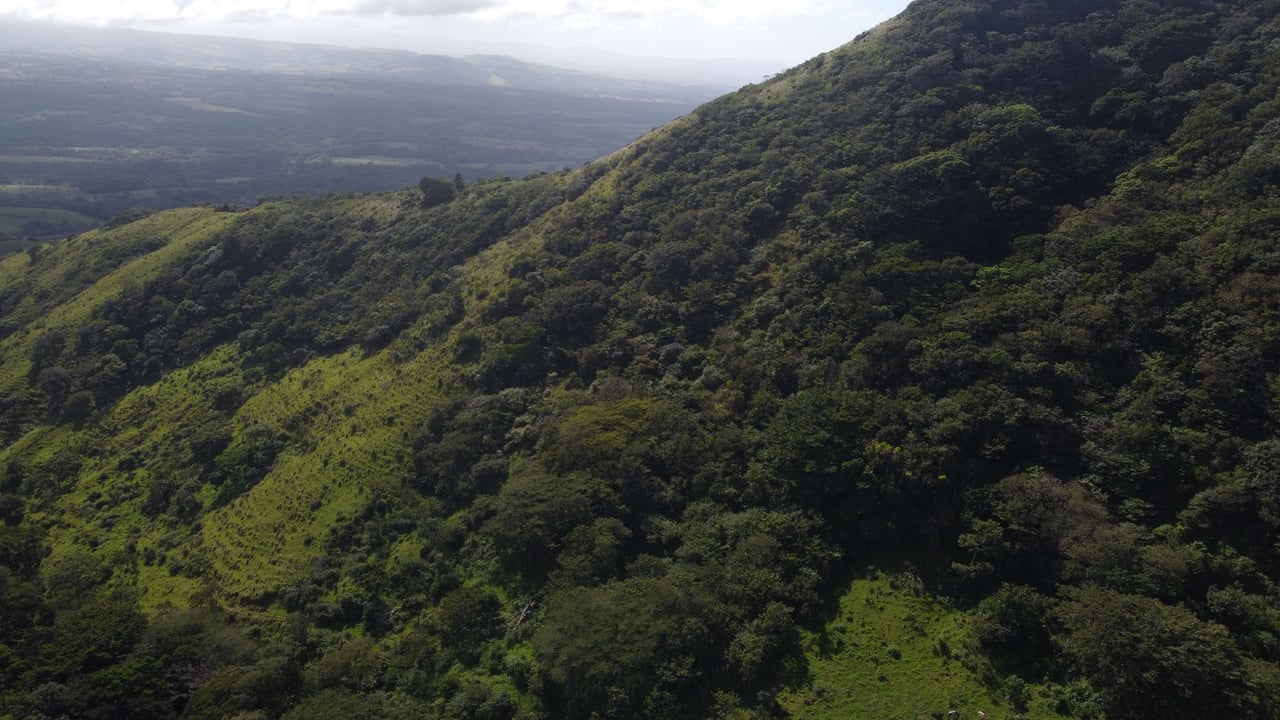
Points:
point(989, 294)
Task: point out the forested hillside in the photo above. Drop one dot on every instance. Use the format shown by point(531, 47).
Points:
point(938, 373)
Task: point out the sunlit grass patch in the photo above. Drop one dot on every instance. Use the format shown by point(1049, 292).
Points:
point(347, 417)
point(894, 654)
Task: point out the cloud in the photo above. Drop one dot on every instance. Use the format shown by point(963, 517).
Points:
point(580, 13)
point(720, 12)
point(417, 8)
point(726, 10)
point(215, 10)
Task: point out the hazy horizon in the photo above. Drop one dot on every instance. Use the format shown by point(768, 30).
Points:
point(610, 36)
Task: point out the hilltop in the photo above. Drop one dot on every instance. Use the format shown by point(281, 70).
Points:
point(939, 372)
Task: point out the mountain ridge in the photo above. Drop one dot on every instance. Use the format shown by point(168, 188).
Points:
point(208, 52)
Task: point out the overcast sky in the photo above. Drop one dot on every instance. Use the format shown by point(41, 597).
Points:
point(784, 32)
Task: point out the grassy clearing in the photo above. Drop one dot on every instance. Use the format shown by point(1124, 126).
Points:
point(504, 144)
point(514, 169)
point(52, 159)
point(894, 655)
point(385, 161)
point(198, 104)
point(20, 188)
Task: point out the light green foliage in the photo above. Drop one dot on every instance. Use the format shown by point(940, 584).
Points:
point(339, 463)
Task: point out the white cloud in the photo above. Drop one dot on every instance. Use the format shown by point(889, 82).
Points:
point(785, 31)
point(713, 10)
point(424, 8)
point(717, 11)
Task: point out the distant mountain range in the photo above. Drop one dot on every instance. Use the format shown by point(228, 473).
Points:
point(225, 53)
point(98, 120)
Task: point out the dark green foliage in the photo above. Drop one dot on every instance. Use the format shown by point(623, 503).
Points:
point(620, 649)
point(466, 618)
point(20, 549)
point(98, 631)
point(244, 463)
point(124, 217)
point(436, 191)
point(1012, 627)
point(534, 512)
point(343, 705)
point(21, 602)
point(461, 447)
point(269, 684)
point(1152, 658)
point(592, 553)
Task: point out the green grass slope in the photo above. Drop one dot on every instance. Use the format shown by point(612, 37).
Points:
point(893, 652)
